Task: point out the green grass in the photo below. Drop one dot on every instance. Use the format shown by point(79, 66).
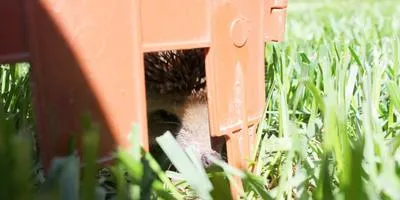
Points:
point(340, 108)
point(331, 128)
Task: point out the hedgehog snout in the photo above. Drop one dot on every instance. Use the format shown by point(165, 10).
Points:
point(206, 158)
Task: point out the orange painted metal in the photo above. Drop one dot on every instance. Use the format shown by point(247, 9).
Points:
point(87, 56)
point(13, 42)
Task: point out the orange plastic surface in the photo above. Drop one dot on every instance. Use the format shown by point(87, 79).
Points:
point(86, 57)
point(275, 18)
point(235, 75)
point(175, 24)
point(13, 43)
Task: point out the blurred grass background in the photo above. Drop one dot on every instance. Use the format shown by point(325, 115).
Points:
point(331, 128)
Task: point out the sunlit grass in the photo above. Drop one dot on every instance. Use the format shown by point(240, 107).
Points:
point(335, 101)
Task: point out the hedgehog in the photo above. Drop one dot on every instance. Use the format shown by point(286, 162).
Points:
point(176, 96)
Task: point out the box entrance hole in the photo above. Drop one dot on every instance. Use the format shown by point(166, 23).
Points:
point(176, 95)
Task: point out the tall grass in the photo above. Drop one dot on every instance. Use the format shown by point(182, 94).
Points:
point(330, 130)
point(335, 100)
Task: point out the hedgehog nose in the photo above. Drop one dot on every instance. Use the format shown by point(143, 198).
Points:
point(205, 158)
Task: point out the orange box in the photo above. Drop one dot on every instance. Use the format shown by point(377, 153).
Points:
point(75, 46)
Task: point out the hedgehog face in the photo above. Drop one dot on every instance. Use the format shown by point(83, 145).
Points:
point(188, 122)
point(177, 99)
point(195, 131)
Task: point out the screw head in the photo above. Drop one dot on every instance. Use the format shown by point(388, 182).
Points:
point(239, 32)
